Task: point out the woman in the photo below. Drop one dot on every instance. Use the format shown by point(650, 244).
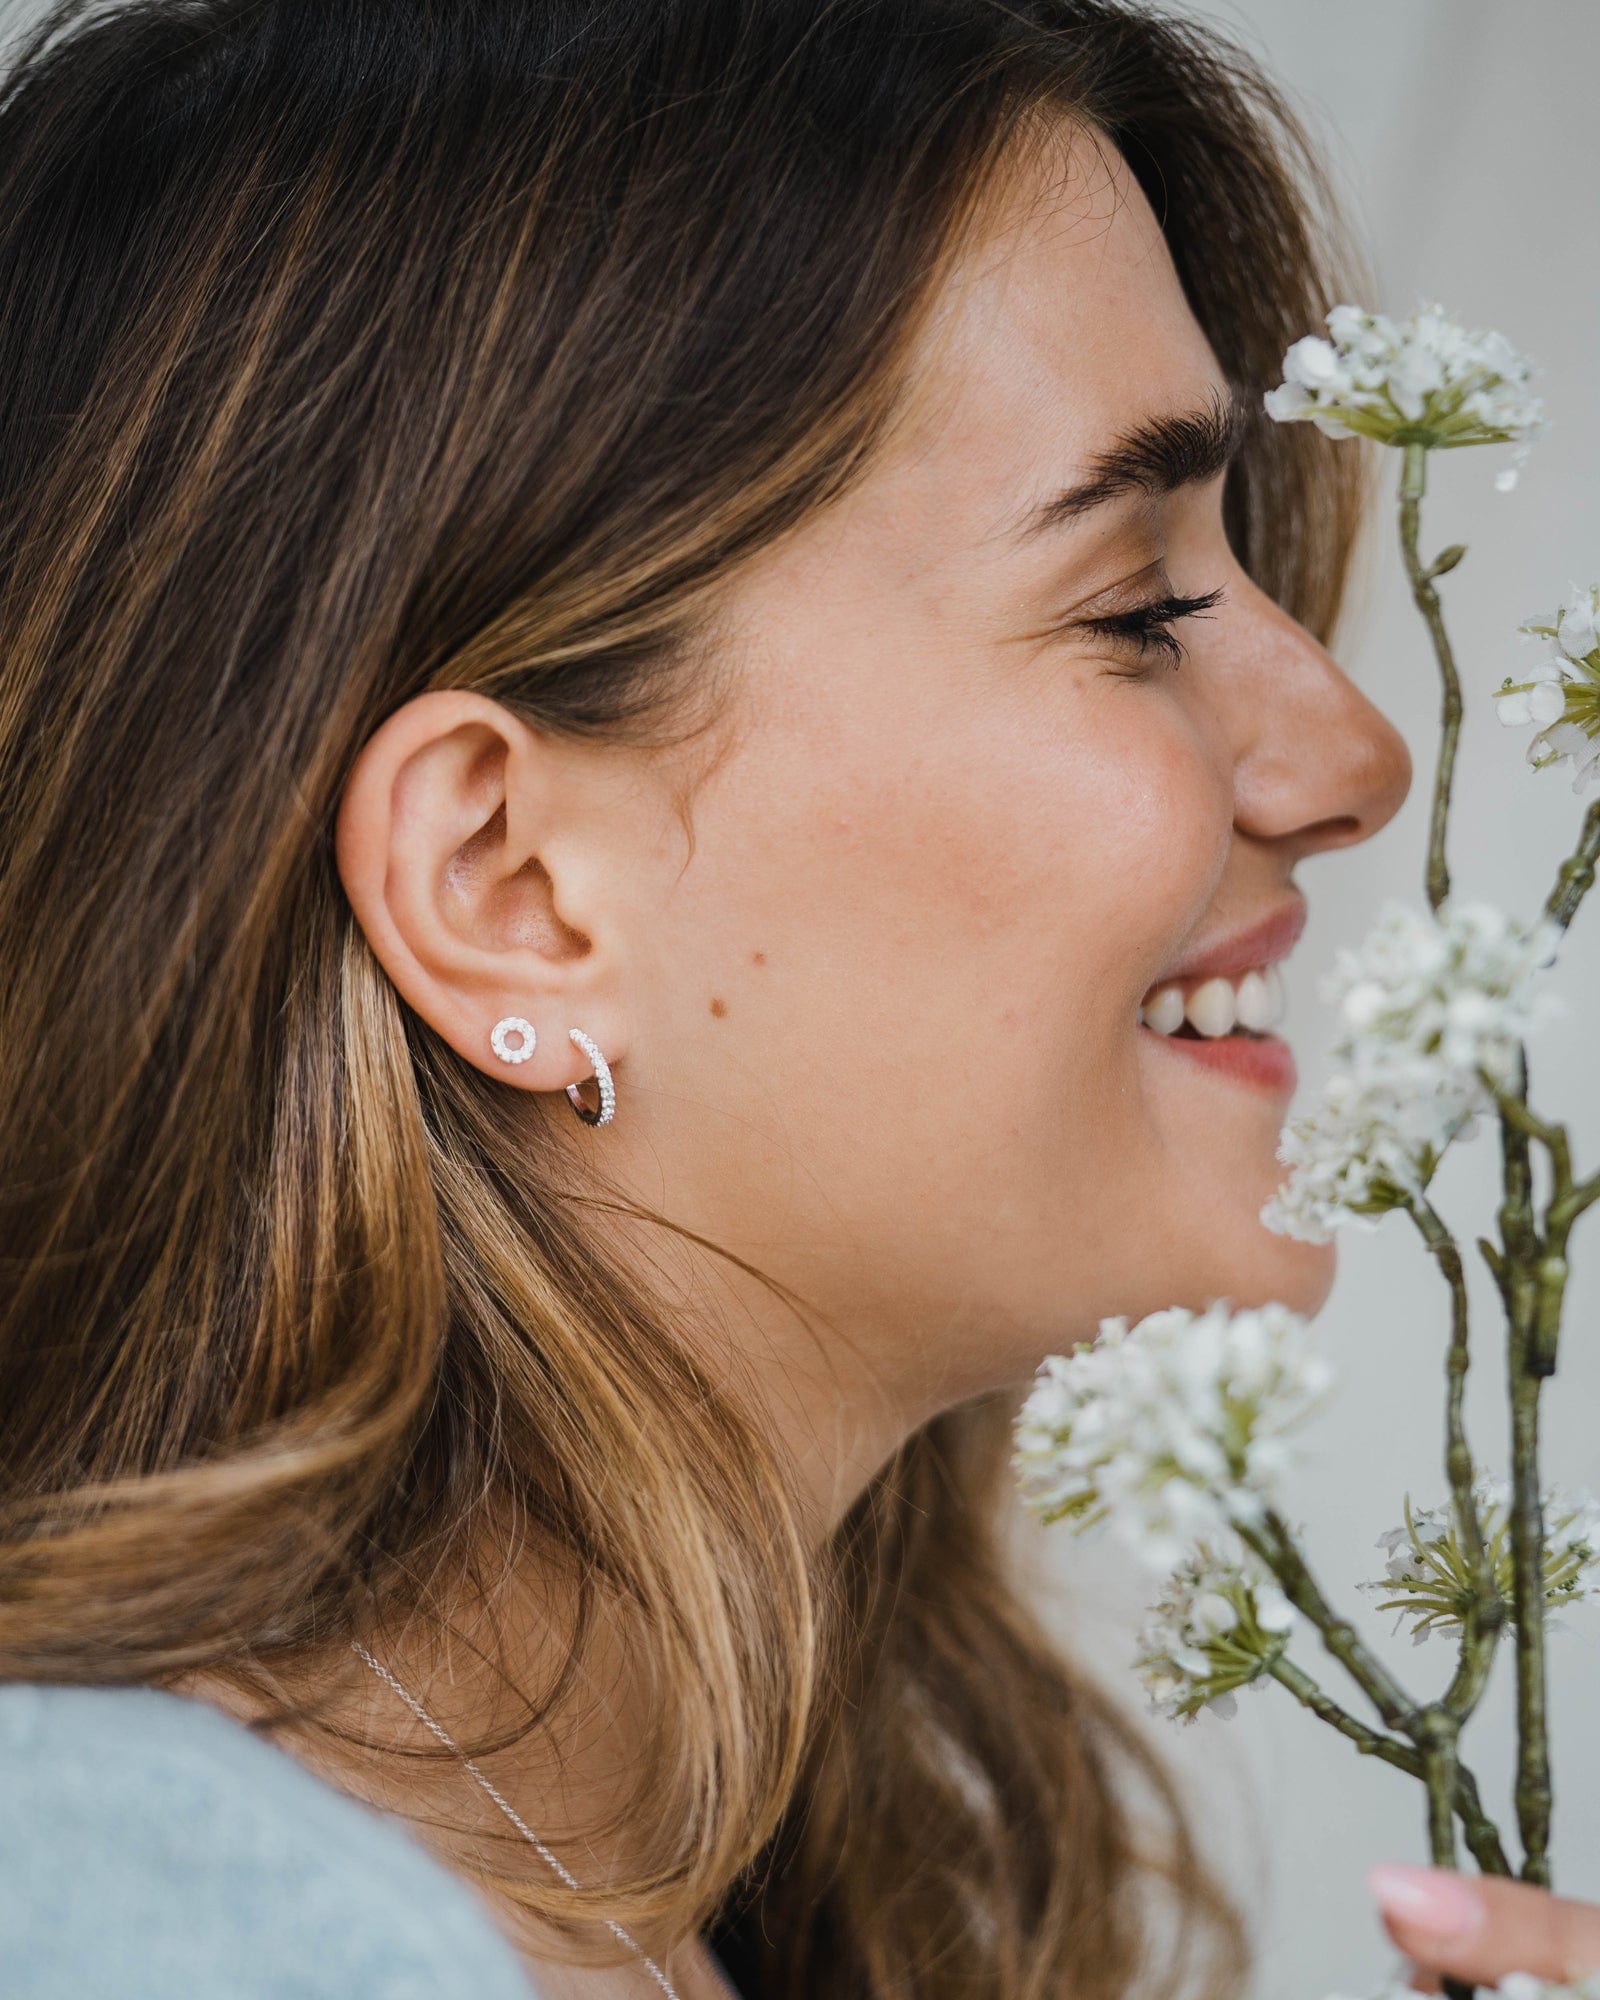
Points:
point(727, 546)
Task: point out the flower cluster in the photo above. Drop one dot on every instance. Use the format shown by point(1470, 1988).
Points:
point(1218, 1625)
point(1430, 1582)
point(1561, 689)
point(1370, 1143)
point(1427, 380)
point(1172, 1429)
point(1454, 988)
point(1432, 1009)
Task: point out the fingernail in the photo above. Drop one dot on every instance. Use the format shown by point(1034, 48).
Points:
point(1434, 1900)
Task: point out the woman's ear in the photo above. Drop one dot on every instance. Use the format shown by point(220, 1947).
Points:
point(471, 850)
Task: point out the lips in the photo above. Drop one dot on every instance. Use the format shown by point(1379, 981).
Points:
point(1271, 937)
point(1219, 1007)
point(1264, 1062)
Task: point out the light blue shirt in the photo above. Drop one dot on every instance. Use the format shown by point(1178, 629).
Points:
point(152, 1848)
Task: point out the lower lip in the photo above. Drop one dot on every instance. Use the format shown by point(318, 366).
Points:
point(1266, 1062)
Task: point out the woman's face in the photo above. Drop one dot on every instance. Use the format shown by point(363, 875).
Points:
point(878, 1030)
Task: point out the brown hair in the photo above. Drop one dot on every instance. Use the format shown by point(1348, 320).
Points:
point(355, 349)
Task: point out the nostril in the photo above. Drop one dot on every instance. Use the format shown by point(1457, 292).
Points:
point(1342, 830)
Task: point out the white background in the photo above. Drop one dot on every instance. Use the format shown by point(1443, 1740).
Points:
point(1466, 136)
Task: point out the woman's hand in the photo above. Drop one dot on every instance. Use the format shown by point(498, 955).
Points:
point(1480, 1927)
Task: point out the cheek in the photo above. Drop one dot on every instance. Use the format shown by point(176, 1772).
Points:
point(931, 925)
point(1043, 827)
point(1136, 849)
point(990, 887)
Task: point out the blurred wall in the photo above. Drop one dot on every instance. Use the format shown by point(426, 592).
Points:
point(1465, 136)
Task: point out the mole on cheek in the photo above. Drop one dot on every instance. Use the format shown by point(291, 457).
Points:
point(758, 958)
point(719, 1008)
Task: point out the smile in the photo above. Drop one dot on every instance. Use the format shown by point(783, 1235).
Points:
point(1220, 1006)
point(1226, 1025)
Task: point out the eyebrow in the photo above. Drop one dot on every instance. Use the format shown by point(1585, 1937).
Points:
point(1158, 455)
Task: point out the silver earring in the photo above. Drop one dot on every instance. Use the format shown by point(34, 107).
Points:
point(602, 1076)
point(513, 1024)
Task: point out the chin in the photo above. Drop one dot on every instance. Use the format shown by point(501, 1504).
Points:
point(1282, 1268)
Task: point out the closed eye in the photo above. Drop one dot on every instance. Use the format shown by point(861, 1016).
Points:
point(1148, 627)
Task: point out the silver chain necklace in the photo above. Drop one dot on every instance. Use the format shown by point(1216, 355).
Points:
point(511, 1814)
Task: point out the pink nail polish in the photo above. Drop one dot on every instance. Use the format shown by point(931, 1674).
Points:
point(1434, 1900)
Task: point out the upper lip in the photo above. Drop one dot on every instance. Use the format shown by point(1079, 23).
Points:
point(1269, 938)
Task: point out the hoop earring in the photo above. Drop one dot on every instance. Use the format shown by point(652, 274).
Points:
point(513, 1024)
point(602, 1076)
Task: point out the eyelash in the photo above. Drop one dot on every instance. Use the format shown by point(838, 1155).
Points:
point(1148, 626)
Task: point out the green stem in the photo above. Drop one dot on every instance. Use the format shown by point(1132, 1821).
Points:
point(1479, 1832)
point(1482, 1836)
point(1275, 1545)
point(1533, 1786)
point(1438, 1747)
point(1575, 877)
point(1478, 1642)
point(1583, 1194)
point(1480, 1630)
point(1413, 483)
point(1545, 1257)
point(1531, 1287)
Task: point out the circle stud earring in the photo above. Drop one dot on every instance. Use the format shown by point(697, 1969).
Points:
point(602, 1076)
point(513, 1024)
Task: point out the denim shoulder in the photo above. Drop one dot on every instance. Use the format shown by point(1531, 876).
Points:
point(151, 1847)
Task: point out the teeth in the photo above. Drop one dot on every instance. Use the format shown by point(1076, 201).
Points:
point(1217, 1005)
point(1211, 1008)
point(1260, 1001)
point(1255, 1003)
point(1163, 1011)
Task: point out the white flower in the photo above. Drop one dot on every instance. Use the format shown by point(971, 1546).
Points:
point(1578, 624)
point(1561, 690)
point(1567, 740)
point(1171, 1430)
point(1539, 698)
point(1454, 987)
point(1433, 1007)
point(1427, 380)
point(1218, 1625)
point(1429, 1579)
point(1374, 1137)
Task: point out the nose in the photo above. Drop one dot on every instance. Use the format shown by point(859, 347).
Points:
point(1317, 765)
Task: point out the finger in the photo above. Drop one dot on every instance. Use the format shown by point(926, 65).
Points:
point(1479, 1928)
